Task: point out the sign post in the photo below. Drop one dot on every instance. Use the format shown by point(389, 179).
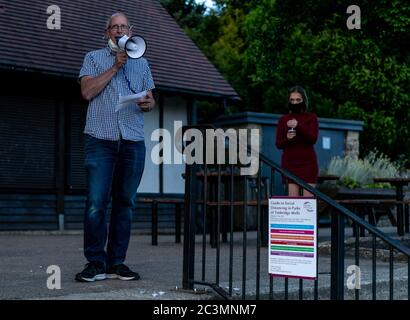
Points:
point(293, 237)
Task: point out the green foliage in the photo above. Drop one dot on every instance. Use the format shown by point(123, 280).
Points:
point(228, 49)
point(380, 127)
point(349, 183)
point(196, 21)
point(349, 74)
point(187, 13)
point(355, 173)
point(262, 47)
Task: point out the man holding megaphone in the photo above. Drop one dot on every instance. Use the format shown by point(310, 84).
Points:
point(114, 147)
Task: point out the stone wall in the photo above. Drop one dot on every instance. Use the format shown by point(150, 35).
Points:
point(352, 144)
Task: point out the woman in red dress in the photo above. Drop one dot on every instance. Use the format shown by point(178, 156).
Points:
point(296, 134)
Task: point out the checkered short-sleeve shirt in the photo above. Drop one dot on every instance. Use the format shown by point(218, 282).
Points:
point(102, 120)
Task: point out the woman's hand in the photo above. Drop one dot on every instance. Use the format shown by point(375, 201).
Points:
point(292, 123)
point(291, 134)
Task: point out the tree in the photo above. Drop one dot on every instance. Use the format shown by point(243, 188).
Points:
point(262, 47)
point(201, 26)
point(348, 73)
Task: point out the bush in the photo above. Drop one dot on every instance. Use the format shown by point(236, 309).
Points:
point(359, 173)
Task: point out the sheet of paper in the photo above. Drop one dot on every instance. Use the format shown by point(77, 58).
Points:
point(131, 99)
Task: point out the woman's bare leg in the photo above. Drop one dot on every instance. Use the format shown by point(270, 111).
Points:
point(293, 190)
point(307, 193)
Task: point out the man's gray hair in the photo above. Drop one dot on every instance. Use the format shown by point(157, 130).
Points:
point(119, 13)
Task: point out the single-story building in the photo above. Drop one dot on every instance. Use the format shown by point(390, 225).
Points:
point(42, 113)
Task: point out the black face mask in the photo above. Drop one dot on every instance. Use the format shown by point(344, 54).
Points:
point(297, 107)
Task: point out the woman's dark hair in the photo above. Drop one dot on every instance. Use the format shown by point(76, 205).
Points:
point(300, 90)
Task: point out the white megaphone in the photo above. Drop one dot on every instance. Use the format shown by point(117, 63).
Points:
point(134, 46)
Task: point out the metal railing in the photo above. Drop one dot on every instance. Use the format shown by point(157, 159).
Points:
point(211, 201)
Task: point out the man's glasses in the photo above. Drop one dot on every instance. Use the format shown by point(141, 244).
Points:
point(117, 27)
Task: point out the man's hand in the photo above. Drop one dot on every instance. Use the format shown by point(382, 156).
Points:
point(147, 103)
point(120, 59)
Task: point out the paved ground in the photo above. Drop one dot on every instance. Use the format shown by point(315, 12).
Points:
point(25, 257)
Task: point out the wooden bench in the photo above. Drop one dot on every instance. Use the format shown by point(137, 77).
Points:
point(227, 203)
point(155, 202)
point(370, 206)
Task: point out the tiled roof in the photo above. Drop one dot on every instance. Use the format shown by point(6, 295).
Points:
point(175, 60)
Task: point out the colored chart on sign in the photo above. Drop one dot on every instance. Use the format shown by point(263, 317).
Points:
point(286, 240)
point(293, 237)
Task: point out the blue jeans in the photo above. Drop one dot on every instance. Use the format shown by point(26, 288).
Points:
point(114, 169)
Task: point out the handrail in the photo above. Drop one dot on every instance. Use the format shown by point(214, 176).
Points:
point(338, 254)
point(363, 223)
point(346, 212)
